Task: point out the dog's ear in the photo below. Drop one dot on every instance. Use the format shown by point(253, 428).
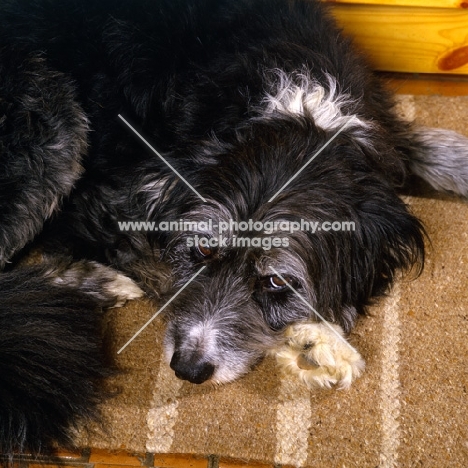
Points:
point(353, 266)
point(389, 239)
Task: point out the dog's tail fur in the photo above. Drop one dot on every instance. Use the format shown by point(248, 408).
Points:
point(440, 157)
point(52, 362)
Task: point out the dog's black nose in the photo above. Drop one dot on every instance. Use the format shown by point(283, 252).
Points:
point(195, 371)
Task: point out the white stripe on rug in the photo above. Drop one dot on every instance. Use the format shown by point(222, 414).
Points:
point(293, 419)
point(405, 107)
point(163, 413)
point(390, 382)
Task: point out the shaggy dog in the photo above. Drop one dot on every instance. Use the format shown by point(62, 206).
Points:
point(270, 130)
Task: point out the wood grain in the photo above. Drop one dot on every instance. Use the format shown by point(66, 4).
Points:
point(408, 39)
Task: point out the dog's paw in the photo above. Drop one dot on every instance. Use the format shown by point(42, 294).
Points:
point(123, 289)
point(109, 287)
point(319, 355)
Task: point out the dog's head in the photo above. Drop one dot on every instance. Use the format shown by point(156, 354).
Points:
point(264, 267)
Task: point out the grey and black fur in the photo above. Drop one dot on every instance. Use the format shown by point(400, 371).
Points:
point(237, 96)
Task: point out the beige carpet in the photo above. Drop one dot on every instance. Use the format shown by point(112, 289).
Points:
point(408, 410)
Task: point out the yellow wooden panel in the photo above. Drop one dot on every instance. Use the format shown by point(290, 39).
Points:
point(405, 39)
point(415, 3)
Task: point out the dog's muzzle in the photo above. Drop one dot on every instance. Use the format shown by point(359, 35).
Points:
point(192, 369)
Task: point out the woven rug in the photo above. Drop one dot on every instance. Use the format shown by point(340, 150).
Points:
point(408, 410)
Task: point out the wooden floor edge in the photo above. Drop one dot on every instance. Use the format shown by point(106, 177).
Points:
point(427, 85)
point(98, 458)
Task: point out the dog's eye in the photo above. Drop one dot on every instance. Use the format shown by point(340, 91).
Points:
point(204, 251)
point(275, 283)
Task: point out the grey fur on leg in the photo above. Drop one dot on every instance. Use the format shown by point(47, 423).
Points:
point(104, 284)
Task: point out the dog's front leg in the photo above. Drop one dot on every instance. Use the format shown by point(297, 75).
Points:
point(319, 355)
point(106, 286)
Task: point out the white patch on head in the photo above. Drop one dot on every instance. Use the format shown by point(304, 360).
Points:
point(299, 94)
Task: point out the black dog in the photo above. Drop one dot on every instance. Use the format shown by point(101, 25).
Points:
point(273, 124)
